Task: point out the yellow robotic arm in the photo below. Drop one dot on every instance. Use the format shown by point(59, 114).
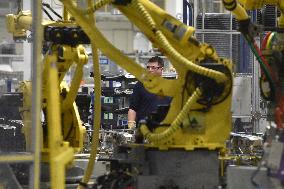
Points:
point(197, 65)
point(62, 131)
point(19, 24)
point(199, 114)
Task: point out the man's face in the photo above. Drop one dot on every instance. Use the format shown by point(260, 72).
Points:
point(154, 68)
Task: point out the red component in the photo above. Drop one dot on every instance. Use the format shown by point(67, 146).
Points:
point(264, 42)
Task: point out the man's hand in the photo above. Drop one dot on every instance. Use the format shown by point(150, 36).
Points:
point(131, 119)
point(131, 124)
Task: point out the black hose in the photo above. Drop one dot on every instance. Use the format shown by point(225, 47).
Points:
point(49, 16)
point(52, 10)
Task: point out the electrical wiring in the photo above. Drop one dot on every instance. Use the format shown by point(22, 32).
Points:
point(52, 10)
point(269, 40)
point(264, 61)
point(272, 73)
point(49, 16)
point(264, 41)
point(263, 64)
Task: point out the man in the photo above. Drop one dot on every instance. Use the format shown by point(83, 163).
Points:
point(142, 102)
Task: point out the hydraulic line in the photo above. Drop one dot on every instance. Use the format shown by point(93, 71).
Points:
point(97, 117)
point(263, 64)
point(233, 6)
point(269, 40)
point(96, 110)
point(175, 126)
point(52, 10)
point(264, 41)
point(220, 77)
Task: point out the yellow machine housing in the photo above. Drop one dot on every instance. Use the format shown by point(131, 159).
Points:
point(191, 127)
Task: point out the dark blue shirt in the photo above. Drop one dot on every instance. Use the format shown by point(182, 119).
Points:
point(144, 102)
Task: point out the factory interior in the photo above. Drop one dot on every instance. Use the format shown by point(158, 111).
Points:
point(71, 69)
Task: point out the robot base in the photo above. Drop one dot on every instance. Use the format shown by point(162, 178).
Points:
point(172, 169)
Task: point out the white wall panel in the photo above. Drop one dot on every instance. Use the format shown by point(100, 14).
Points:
point(242, 90)
point(122, 40)
point(108, 34)
point(174, 8)
point(120, 34)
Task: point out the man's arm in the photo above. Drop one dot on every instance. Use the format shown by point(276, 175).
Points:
point(131, 119)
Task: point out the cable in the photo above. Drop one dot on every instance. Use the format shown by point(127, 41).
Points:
point(264, 41)
point(97, 108)
point(269, 40)
point(49, 16)
point(263, 64)
point(52, 10)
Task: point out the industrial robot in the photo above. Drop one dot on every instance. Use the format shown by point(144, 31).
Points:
point(62, 132)
point(182, 150)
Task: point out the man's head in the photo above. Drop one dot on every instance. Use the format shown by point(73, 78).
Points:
point(155, 65)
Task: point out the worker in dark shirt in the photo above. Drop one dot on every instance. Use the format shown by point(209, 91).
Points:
point(142, 102)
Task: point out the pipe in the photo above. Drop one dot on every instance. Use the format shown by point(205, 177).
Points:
point(97, 107)
point(233, 6)
point(34, 179)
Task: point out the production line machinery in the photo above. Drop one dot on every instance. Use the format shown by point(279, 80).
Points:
point(65, 39)
point(191, 138)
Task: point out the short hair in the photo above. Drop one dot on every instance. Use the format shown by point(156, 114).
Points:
point(157, 59)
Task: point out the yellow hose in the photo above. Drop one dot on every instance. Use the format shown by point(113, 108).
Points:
point(96, 110)
point(268, 43)
point(170, 131)
point(97, 117)
point(233, 6)
point(166, 46)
